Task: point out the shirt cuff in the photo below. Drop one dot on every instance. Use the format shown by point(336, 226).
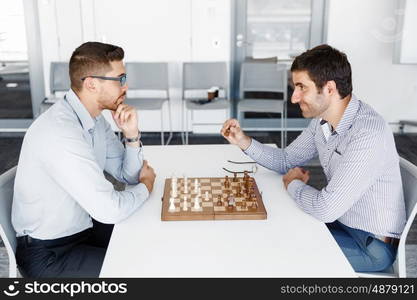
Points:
point(294, 187)
point(254, 150)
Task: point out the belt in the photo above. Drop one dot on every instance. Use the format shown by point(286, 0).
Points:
point(388, 240)
point(30, 241)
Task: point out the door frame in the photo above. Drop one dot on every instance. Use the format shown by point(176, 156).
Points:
point(35, 60)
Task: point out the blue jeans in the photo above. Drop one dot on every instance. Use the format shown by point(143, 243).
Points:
point(364, 252)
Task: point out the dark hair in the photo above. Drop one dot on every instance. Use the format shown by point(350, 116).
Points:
point(325, 63)
point(92, 58)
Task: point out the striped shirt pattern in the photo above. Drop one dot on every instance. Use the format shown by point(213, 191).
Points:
point(361, 164)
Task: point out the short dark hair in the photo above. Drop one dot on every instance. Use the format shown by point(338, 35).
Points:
point(325, 63)
point(92, 58)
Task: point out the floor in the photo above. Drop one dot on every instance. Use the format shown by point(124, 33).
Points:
point(10, 145)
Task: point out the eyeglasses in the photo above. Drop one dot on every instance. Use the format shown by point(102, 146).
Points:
point(253, 170)
point(121, 79)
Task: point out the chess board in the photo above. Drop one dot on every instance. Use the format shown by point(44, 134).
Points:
point(247, 204)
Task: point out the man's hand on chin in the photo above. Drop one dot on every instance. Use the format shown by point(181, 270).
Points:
point(296, 173)
point(126, 119)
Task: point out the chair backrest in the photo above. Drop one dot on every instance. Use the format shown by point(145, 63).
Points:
point(204, 75)
point(263, 77)
point(149, 76)
point(59, 80)
point(7, 232)
point(409, 179)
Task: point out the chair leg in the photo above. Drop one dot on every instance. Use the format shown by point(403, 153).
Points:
point(186, 126)
point(182, 123)
point(170, 123)
point(162, 128)
point(285, 124)
point(282, 129)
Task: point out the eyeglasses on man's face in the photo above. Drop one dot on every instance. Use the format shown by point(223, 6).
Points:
point(121, 79)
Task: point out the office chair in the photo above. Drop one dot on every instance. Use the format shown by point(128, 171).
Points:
point(150, 77)
point(264, 77)
point(409, 179)
point(7, 233)
point(198, 77)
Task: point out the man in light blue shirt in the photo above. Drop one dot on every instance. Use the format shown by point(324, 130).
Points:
point(362, 203)
point(63, 206)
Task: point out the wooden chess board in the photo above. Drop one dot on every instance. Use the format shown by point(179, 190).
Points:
point(247, 205)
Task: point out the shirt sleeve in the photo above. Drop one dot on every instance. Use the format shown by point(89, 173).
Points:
point(122, 163)
point(79, 175)
point(355, 173)
point(300, 151)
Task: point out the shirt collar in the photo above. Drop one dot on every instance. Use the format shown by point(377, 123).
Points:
point(86, 120)
point(348, 116)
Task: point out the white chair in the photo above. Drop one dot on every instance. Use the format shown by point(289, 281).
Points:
point(198, 77)
point(152, 78)
point(59, 82)
point(264, 77)
point(409, 179)
point(7, 233)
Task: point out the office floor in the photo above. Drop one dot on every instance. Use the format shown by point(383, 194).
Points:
point(406, 145)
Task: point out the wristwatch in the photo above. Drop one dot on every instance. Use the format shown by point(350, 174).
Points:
point(132, 140)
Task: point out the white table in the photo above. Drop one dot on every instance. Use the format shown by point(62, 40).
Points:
point(289, 243)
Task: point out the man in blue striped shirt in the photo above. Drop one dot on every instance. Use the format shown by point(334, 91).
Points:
point(362, 203)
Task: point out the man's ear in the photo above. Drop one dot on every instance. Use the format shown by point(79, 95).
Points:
point(90, 85)
point(330, 87)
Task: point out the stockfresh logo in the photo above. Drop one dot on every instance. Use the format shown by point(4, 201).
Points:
point(11, 290)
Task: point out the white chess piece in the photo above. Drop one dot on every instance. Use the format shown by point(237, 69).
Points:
point(185, 184)
point(174, 187)
point(185, 206)
point(206, 196)
point(171, 205)
point(196, 203)
point(196, 185)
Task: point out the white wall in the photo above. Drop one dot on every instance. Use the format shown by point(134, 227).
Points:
point(365, 31)
point(172, 31)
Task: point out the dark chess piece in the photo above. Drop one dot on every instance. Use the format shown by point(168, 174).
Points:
point(219, 201)
point(234, 177)
point(239, 191)
point(245, 176)
point(226, 182)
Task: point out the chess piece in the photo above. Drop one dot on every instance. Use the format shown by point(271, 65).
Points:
point(234, 177)
point(171, 205)
point(185, 185)
point(196, 203)
point(238, 191)
point(227, 132)
point(243, 204)
point(196, 185)
point(219, 201)
point(174, 188)
point(245, 176)
point(185, 204)
point(231, 201)
point(206, 196)
point(226, 182)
